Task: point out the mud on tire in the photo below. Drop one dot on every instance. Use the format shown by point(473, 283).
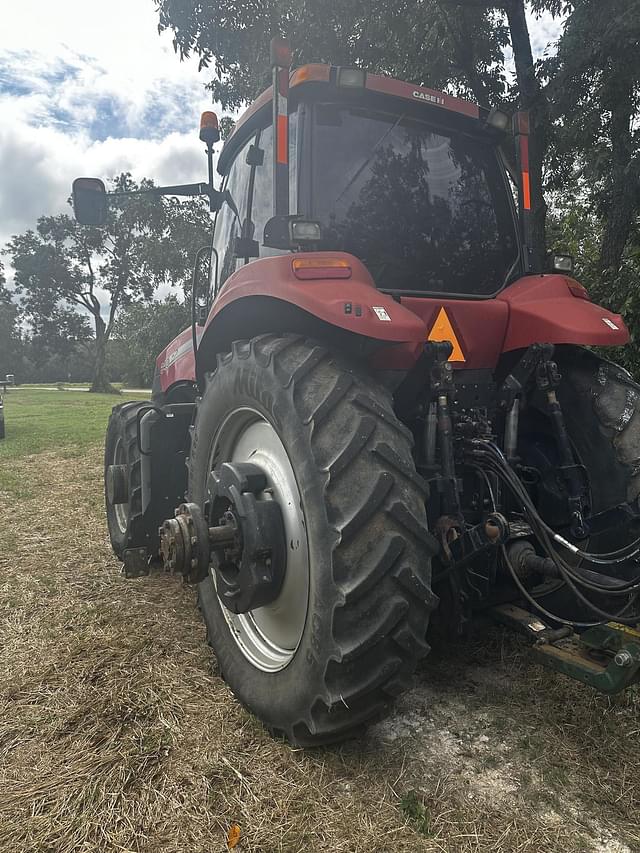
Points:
point(369, 595)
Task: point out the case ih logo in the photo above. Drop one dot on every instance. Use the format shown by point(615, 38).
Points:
point(172, 357)
point(425, 96)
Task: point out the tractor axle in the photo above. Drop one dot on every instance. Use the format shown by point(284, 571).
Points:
point(246, 549)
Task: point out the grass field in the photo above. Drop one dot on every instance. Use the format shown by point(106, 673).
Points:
point(117, 734)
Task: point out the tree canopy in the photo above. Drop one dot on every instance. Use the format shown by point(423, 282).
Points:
point(66, 272)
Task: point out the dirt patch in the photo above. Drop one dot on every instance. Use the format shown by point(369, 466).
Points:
point(116, 732)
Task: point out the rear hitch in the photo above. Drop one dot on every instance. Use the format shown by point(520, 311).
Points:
point(606, 657)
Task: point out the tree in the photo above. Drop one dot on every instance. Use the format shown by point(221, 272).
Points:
point(142, 331)
point(595, 84)
point(10, 343)
point(63, 268)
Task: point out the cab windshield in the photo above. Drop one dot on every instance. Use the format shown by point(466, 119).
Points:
point(426, 211)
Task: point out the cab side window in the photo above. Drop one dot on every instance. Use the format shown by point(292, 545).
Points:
point(262, 195)
point(228, 222)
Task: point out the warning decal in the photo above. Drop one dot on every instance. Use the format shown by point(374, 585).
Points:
point(442, 330)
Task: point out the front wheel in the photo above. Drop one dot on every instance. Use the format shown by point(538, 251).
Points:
point(123, 479)
point(347, 627)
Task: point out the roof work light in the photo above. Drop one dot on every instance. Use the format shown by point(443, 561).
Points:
point(351, 78)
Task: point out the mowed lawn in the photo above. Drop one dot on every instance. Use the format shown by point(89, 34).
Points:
point(117, 734)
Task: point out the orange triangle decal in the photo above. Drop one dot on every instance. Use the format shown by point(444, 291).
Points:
point(442, 330)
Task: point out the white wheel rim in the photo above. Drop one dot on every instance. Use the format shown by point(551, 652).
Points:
point(269, 636)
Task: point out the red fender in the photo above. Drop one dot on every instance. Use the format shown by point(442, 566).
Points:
point(351, 303)
point(536, 309)
point(556, 309)
point(551, 309)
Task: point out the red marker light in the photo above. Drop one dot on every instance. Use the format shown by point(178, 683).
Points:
point(280, 53)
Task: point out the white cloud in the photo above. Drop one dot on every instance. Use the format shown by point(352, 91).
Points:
point(88, 88)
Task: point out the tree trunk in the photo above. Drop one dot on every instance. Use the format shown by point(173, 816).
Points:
point(101, 384)
point(532, 99)
point(625, 173)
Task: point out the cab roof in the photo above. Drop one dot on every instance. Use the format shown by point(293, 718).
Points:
point(329, 75)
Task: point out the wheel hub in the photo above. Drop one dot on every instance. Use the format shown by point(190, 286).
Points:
point(246, 543)
point(250, 565)
point(116, 483)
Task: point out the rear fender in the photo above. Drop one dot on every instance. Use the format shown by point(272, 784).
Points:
point(265, 296)
point(550, 309)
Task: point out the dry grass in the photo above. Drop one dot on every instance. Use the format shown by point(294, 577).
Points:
point(115, 734)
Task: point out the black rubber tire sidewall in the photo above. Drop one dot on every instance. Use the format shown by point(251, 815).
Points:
point(271, 696)
point(298, 700)
point(122, 426)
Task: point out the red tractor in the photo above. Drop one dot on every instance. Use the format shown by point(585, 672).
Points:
point(384, 419)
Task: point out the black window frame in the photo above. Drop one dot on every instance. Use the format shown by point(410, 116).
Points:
point(298, 154)
point(243, 146)
point(251, 134)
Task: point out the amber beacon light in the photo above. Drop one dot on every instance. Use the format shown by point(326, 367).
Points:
point(209, 130)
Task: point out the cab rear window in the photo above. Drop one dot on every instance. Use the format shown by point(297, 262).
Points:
point(425, 211)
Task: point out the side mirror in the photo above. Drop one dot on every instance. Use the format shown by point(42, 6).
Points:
point(89, 201)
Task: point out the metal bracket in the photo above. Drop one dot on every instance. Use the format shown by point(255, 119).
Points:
point(135, 563)
point(432, 373)
point(523, 370)
point(606, 657)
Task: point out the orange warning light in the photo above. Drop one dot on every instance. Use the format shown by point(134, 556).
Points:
point(209, 131)
point(442, 330)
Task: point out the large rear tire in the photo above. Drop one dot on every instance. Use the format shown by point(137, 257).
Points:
point(348, 628)
point(601, 407)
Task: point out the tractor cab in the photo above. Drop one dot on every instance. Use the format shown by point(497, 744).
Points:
point(411, 181)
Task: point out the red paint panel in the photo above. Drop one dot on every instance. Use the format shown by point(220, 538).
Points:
point(543, 309)
point(283, 140)
point(526, 191)
point(400, 89)
point(325, 298)
point(176, 362)
point(480, 326)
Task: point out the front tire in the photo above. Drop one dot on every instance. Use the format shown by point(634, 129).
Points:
point(123, 487)
point(334, 453)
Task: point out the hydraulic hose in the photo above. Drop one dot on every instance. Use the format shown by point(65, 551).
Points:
point(494, 460)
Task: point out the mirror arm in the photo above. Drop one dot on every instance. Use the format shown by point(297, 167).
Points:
point(213, 195)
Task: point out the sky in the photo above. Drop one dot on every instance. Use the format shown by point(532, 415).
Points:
point(89, 87)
